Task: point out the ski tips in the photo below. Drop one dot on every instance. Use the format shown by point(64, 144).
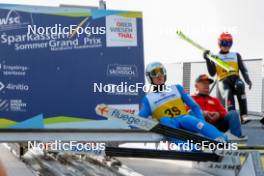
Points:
point(178, 32)
point(182, 35)
point(101, 109)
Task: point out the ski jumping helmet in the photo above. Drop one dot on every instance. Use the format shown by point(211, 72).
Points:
point(225, 40)
point(154, 69)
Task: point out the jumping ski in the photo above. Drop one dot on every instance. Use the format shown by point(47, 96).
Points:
point(156, 127)
point(149, 125)
point(212, 57)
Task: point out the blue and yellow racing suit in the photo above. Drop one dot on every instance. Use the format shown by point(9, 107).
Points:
point(170, 110)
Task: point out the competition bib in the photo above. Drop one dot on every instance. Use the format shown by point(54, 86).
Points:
point(231, 60)
point(169, 104)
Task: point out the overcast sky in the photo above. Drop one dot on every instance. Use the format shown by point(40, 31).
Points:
point(203, 20)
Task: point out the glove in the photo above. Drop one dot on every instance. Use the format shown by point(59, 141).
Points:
point(206, 52)
point(250, 85)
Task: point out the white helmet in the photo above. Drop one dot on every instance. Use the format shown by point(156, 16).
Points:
point(153, 69)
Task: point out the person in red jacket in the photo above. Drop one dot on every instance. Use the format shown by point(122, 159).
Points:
point(214, 112)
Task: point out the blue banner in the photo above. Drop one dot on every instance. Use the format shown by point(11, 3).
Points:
point(51, 73)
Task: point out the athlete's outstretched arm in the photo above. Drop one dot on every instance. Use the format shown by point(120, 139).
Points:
point(243, 69)
point(145, 110)
point(211, 68)
point(210, 64)
point(188, 100)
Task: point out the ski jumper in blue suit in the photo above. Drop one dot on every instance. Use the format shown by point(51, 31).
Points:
point(170, 110)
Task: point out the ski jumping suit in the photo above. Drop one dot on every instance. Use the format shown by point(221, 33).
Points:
point(169, 108)
point(229, 83)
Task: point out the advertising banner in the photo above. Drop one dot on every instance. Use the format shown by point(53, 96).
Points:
point(58, 63)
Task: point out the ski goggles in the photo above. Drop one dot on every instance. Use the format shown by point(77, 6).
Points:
point(226, 43)
point(156, 72)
